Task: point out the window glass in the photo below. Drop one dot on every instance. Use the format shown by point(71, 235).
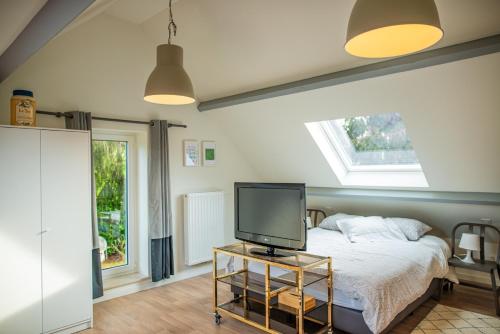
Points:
point(373, 140)
point(111, 185)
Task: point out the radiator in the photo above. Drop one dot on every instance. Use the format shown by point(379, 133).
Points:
point(203, 225)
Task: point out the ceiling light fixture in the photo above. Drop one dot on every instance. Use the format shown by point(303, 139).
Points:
point(169, 83)
point(390, 28)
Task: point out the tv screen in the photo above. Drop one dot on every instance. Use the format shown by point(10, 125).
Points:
point(271, 214)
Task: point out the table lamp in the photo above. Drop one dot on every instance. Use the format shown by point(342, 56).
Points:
point(470, 242)
point(309, 223)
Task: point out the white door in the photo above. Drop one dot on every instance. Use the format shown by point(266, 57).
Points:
point(66, 218)
point(20, 242)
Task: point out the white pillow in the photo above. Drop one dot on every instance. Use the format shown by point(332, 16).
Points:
point(413, 229)
point(369, 229)
point(330, 222)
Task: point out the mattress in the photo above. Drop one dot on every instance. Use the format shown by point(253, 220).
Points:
point(317, 290)
point(377, 278)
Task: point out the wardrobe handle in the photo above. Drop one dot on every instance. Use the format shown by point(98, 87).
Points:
point(45, 231)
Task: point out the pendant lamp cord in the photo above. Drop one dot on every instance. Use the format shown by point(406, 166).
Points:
point(172, 27)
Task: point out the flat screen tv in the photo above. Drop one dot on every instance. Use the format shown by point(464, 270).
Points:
point(272, 215)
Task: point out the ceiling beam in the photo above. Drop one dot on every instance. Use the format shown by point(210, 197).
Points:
point(434, 57)
point(45, 25)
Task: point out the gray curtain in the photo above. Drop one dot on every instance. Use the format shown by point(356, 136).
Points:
point(79, 120)
point(160, 216)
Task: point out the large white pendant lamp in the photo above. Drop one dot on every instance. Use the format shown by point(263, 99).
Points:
point(390, 28)
point(169, 83)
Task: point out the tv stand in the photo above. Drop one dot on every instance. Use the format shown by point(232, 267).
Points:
point(273, 303)
point(271, 252)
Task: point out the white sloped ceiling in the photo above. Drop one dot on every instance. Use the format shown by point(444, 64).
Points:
point(235, 46)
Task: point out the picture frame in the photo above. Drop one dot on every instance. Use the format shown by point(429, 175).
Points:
point(209, 153)
point(191, 153)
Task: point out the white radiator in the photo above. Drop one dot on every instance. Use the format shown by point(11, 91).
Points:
point(203, 225)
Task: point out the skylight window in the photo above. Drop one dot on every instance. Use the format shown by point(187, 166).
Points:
point(370, 150)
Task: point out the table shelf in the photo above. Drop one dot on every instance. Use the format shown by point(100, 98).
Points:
point(256, 283)
point(309, 278)
point(235, 308)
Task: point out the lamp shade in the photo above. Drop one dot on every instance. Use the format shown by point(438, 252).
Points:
point(169, 83)
point(469, 241)
point(389, 28)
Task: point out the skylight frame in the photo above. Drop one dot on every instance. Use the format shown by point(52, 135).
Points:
point(381, 175)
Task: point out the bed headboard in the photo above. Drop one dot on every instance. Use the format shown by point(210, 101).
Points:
point(315, 215)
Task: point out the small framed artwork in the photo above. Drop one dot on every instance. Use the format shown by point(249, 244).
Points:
point(191, 153)
point(208, 148)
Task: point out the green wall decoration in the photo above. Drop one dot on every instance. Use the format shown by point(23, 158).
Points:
point(208, 149)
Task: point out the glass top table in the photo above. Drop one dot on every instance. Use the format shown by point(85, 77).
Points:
point(295, 261)
point(278, 293)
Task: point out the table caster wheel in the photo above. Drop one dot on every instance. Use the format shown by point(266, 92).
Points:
point(217, 318)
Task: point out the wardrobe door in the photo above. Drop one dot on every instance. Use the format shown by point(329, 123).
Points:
point(20, 277)
point(66, 218)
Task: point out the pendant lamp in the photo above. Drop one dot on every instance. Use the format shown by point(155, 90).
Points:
point(169, 83)
point(390, 28)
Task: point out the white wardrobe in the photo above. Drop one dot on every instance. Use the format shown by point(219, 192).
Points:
point(45, 230)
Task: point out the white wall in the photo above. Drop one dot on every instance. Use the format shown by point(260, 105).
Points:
point(101, 67)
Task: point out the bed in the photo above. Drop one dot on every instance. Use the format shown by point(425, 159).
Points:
point(376, 284)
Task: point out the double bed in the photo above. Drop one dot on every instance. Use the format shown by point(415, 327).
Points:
point(376, 284)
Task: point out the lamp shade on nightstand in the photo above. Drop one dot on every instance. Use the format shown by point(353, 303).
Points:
point(469, 241)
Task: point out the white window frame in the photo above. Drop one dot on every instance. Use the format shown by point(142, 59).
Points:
point(410, 175)
point(132, 176)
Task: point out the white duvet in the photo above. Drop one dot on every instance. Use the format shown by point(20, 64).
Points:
point(384, 276)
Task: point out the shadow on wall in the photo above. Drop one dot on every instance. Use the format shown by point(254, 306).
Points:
point(178, 231)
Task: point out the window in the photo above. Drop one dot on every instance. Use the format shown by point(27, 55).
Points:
point(370, 150)
point(112, 160)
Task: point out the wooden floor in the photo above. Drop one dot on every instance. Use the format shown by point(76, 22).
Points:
point(185, 307)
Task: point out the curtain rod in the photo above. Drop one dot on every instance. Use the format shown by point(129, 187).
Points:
point(61, 114)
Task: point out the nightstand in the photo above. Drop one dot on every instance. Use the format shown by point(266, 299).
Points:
point(481, 265)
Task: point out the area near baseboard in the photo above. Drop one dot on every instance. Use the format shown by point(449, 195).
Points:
point(114, 282)
point(409, 195)
point(75, 328)
point(147, 284)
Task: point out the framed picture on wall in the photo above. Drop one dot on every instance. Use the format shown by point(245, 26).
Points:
point(191, 153)
point(208, 151)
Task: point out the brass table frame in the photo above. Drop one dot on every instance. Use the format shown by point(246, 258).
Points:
point(269, 294)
